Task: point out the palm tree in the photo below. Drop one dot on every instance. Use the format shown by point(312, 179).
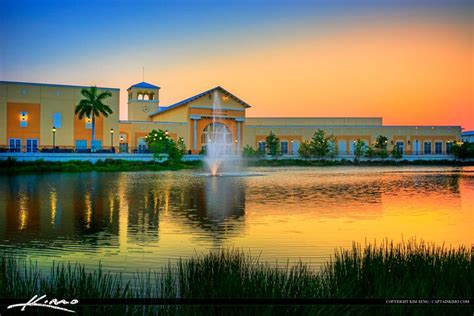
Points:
point(92, 105)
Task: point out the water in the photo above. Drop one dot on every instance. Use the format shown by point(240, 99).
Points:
point(140, 220)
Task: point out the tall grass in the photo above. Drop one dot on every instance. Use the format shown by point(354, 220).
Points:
point(406, 270)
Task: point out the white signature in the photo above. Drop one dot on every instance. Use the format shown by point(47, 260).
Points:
point(36, 301)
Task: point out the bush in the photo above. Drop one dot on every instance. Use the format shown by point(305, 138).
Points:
point(249, 152)
point(463, 150)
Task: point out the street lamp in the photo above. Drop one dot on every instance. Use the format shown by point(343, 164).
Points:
point(54, 138)
point(112, 138)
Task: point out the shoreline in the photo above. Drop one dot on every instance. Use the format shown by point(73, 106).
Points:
point(12, 166)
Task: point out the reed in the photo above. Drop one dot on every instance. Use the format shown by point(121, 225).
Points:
point(403, 270)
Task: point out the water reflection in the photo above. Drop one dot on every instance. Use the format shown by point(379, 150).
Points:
point(133, 220)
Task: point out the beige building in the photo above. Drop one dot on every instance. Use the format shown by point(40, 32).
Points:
point(29, 111)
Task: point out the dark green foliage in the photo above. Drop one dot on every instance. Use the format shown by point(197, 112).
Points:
point(320, 144)
point(12, 166)
point(305, 150)
point(463, 150)
point(407, 270)
point(359, 149)
point(162, 145)
point(396, 153)
point(249, 152)
point(272, 144)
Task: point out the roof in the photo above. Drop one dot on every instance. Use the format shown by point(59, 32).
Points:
point(53, 85)
point(197, 96)
point(468, 133)
point(144, 85)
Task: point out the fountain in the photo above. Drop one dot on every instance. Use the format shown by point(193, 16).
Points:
point(218, 142)
point(219, 146)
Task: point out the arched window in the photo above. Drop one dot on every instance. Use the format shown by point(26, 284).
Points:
point(152, 96)
point(219, 134)
point(140, 96)
point(146, 96)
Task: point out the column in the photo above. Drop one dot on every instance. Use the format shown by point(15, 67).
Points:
point(239, 121)
point(195, 118)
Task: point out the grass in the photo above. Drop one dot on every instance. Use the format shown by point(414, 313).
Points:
point(408, 270)
point(11, 166)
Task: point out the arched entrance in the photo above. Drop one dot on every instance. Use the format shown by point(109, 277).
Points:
point(219, 134)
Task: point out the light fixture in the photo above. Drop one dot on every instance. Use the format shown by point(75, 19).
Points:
point(53, 129)
point(111, 131)
point(23, 116)
point(121, 138)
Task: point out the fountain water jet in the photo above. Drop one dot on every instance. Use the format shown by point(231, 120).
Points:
point(219, 142)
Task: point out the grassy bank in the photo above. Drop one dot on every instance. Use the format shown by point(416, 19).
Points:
point(343, 162)
point(412, 270)
point(11, 166)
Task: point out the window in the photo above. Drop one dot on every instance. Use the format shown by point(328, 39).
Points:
point(438, 148)
point(427, 148)
point(140, 96)
point(23, 119)
point(57, 119)
point(14, 145)
point(342, 147)
point(88, 123)
point(449, 147)
point(31, 145)
point(142, 145)
point(96, 144)
point(416, 147)
point(399, 147)
point(81, 144)
point(261, 147)
point(217, 133)
point(284, 147)
point(146, 97)
point(353, 146)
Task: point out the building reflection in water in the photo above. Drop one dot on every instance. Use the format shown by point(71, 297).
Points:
point(124, 211)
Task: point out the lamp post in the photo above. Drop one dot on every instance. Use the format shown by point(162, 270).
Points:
point(54, 138)
point(112, 139)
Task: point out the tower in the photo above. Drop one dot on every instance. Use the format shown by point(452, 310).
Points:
point(143, 99)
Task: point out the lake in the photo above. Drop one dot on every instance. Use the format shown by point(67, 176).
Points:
point(136, 221)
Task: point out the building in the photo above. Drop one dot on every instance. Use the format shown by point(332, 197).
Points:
point(468, 137)
point(29, 111)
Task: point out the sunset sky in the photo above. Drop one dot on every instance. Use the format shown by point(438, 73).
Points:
point(410, 64)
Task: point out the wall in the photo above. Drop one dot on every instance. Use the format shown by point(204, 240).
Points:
point(51, 99)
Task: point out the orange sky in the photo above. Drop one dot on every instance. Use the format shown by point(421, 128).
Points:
point(417, 73)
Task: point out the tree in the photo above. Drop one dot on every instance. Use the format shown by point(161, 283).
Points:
point(463, 150)
point(93, 106)
point(359, 148)
point(305, 150)
point(381, 146)
point(161, 144)
point(272, 144)
point(396, 153)
point(381, 142)
point(320, 144)
point(181, 145)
